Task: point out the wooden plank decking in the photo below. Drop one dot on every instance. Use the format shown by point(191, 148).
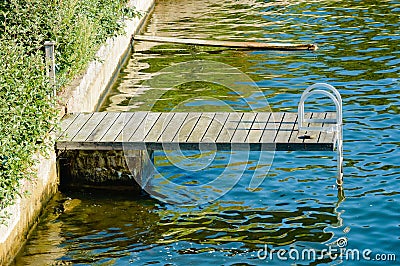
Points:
point(222, 131)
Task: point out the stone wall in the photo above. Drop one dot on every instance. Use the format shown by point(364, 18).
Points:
point(120, 170)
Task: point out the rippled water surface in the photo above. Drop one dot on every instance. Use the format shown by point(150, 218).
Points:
point(297, 206)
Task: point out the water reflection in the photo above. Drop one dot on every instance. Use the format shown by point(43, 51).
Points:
point(92, 227)
point(226, 222)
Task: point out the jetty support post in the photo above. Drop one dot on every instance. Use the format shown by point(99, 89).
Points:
point(50, 64)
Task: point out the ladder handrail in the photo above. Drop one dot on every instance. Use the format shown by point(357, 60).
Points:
point(333, 94)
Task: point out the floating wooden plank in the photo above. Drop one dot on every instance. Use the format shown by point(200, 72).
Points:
point(190, 131)
point(248, 45)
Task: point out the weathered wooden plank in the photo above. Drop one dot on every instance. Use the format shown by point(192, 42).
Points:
point(187, 127)
point(229, 128)
point(328, 137)
point(272, 128)
point(308, 136)
point(66, 121)
point(146, 125)
point(103, 127)
point(303, 135)
point(89, 127)
point(258, 127)
point(251, 45)
point(286, 128)
point(295, 131)
point(74, 128)
point(243, 128)
point(173, 127)
point(131, 126)
point(158, 127)
point(215, 127)
point(201, 127)
point(116, 127)
point(223, 131)
point(315, 134)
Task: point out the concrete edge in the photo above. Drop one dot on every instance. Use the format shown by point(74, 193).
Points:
point(83, 95)
point(86, 93)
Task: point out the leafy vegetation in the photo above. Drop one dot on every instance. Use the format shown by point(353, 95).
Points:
point(28, 112)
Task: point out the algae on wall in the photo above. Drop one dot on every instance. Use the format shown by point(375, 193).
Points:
point(109, 169)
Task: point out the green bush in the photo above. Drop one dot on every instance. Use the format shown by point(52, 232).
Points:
point(79, 27)
point(26, 111)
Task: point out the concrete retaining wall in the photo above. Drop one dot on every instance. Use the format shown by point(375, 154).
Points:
point(82, 96)
point(27, 209)
point(85, 93)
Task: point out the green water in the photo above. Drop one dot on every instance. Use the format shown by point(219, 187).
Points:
point(297, 206)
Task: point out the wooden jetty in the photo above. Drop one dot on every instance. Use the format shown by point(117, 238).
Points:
point(253, 131)
point(248, 45)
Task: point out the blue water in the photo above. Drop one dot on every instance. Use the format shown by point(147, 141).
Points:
point(297, 206)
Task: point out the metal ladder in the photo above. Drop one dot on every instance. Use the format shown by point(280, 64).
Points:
point(334, 125)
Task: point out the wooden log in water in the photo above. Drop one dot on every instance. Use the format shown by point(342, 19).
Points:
point(248, 45)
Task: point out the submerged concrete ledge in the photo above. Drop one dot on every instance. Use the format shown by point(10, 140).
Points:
point(83, 95)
